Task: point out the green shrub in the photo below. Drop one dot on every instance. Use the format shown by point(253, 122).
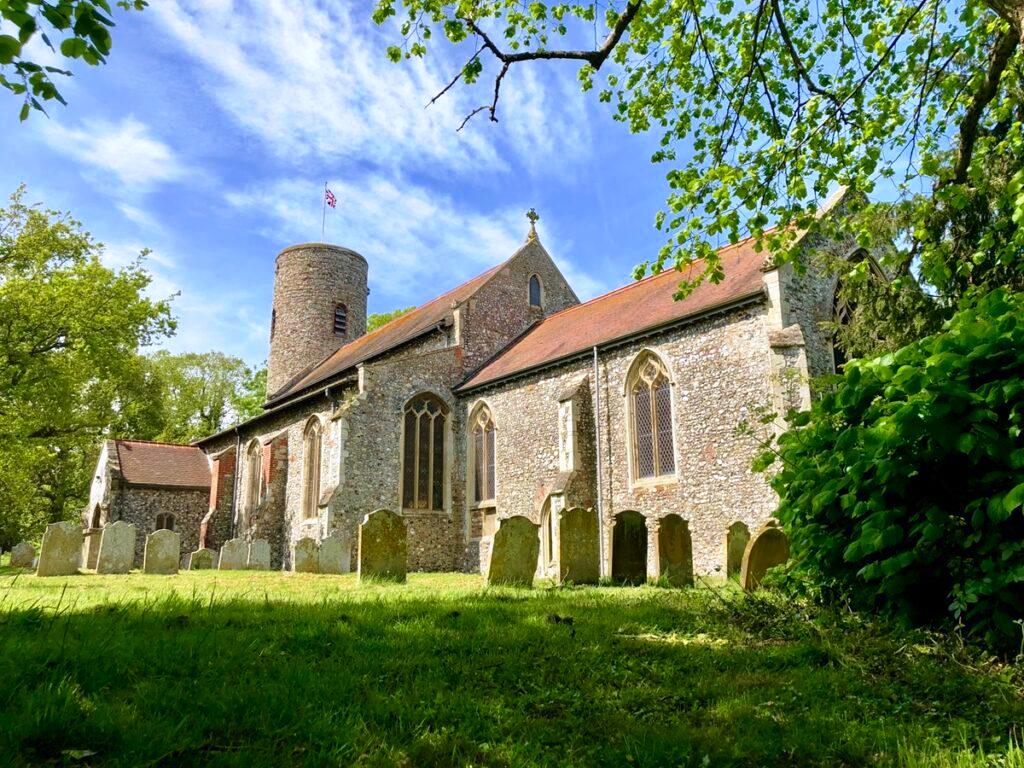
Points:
point(901, 489)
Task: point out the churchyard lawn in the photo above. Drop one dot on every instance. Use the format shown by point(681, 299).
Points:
point(254, 669)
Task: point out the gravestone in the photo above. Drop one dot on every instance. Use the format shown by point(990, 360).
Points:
point(629, 548)
point(117, 548)
point(382, 546)
point(259, 555)
point(335, 555)
point(23, 555)
point(61, 550)
point(163, 552)
point(578, 546)
point(768, 548)
point(202, 559)
point(675, 551)
point(736, 539)
point(514, 552)
point(305, 556)
point(233, 555)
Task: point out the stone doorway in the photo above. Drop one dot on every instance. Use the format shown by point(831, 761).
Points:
point(629, 548)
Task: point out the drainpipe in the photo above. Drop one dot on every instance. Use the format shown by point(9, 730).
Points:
point(600, 464)
point(234, 482)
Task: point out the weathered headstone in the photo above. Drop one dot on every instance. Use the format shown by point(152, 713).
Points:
point(629, 548)
point(736, 539)
point(675, 551)
point(61, 550)
point(305, 556)
point(335, 555)
point(23, 555)
point(514, 553)
point(117, 548)
point(163, 552)
point(259, 555)
point(233, 555)
point(202, 559)
point(578, 546)
point(382, 546)
point(769, 547)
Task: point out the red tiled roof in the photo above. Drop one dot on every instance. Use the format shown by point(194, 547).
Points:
point(624, 312)
point(395, 333)
point(145, 463)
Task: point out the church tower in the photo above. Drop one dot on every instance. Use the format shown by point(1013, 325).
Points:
point(319, 306)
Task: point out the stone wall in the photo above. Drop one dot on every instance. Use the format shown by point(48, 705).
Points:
point(721, 377)
point(215, 528)
point(140, 505)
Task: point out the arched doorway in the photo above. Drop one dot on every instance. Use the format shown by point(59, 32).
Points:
point(629, 548)
point(675, 551)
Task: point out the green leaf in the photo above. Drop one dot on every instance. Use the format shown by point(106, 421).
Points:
point(10, 47)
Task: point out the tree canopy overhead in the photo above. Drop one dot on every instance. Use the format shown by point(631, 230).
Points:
point(766, 106)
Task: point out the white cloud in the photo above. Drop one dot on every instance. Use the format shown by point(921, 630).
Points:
point(419, 243)
point(314, 81)
point(126, 149)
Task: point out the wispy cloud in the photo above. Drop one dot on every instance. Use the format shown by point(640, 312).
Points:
point(125, 149)
point(314, 81)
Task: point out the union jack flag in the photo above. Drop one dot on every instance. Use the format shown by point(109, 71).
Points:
point(330, 198)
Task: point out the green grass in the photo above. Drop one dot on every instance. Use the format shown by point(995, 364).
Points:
point(269, 669)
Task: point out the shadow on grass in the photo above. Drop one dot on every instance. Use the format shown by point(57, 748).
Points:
point(440, 676)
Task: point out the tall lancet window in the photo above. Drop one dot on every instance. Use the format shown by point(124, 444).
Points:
point(253, 475)
point(340, 320)
point(535, 291)
point(311, 442)
point(650, 395)
point(423, 453)
point(482, 425)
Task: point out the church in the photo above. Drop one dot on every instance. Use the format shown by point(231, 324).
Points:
point(503, 396)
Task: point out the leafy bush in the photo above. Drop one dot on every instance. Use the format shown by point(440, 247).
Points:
point(902, 488)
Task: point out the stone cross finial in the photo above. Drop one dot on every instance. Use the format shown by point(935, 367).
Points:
point(533, 216)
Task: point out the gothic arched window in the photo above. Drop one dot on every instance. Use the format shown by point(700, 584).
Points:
point(843, 308)
point(340, 320)
point(535, 291)
point(650, 400)
point(253, 474)
point(311, 443)
point(483, 444)
point(165, 521)
point(423, 453)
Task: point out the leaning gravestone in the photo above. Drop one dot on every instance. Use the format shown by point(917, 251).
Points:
point(117, 548)
point(23, 555)
point(61, 550)
point(335, 555)
point(259, 555)
point(675, 551)
point(769, 547)
point(382, 546)
point(514, 553)
point(163, 552)
point(305, 556)
point(202, 559)
point(579, 552)
point(233, 555)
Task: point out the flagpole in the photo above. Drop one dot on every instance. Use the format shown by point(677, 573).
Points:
point(323, 220)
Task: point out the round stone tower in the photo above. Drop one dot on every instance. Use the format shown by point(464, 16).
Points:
point(319, 306)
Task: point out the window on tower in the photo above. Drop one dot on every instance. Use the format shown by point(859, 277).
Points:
point(340, 320)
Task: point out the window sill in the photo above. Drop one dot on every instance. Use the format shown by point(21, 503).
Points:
point(425, 512)
point(655, 482)
point(490, 504)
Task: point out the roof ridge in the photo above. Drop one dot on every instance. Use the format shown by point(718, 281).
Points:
point(152, 442)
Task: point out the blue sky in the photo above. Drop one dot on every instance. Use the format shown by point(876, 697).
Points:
point(209, 134)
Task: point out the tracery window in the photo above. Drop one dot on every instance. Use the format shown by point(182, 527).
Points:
point(650, 395)
point(165, 521)
point(535, 292)
point(423, 453)
point(340, 320)
point(311, 442)
point(483, 444)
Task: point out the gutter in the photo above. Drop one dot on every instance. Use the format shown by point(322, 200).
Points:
point(732, 304)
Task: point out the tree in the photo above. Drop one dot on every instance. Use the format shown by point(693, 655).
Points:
point(84, 26)
point(377, 319)
point(70, 371)
point(202, 393)
point(764, 107)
